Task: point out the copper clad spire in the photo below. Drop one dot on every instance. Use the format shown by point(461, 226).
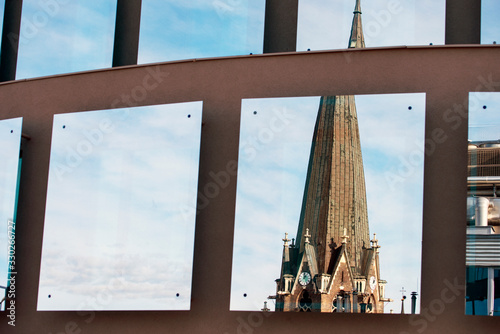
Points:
point(357, 9)
point(332, 262)
point(357, 39)
point(335, 196)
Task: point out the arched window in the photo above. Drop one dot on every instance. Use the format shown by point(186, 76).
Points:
point(341, 303)
point(305, 303)
point(338, 303)
point(370, 307)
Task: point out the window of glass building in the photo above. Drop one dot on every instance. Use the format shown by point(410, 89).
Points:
point(329, 204)
point(173, 30)
point(325, 24)
point(60, 36)
point(2, 8)
point(120, 211)
point(490, 27)
point(10, 142)
point(483, 205)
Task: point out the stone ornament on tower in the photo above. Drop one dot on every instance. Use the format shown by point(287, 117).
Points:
point(286, 240)
point(307, 236)
point(374, 242)
point(345, 236)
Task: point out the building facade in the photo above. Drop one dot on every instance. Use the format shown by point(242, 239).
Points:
point(483, 229)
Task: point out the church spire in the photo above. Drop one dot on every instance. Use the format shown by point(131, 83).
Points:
point(333, 235)
point(357, 9)
point(357, 39)
point(334, 204)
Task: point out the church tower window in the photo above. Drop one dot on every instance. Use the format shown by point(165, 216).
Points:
point(305, 303)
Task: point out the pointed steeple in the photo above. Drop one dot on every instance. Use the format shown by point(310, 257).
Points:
point(357, 40)
point(334, 204)
point(333, 232)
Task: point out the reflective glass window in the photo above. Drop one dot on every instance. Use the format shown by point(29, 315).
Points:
point(483, 206)
point(172, 30)
point(60, 36)
point(326, 24)
point(287, 169)
point(10, 142)
point(120, 211)
point(490, 27)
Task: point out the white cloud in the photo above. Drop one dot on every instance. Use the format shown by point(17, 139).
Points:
point(325, 24)
point(66, 37)
point(124, 278)
point(129, 202)
point(483, 123)
point(270, 189)
point(195, 29)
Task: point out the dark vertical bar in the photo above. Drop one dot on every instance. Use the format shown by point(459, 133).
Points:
point(128, 22)
point(280, 27)
point(10, 39)
point(413, 302)
point(463, 22)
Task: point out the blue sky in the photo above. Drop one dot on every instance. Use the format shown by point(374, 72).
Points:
point(172, 29)
point(9, 155)
point(69, 36)
point(120, 212)
point(484, 124)
point(490, 26)
point(78, 35)
point(65, 36)
point(274, 152)
point(326, 24)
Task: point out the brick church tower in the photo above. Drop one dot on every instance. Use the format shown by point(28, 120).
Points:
point(333, 266)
